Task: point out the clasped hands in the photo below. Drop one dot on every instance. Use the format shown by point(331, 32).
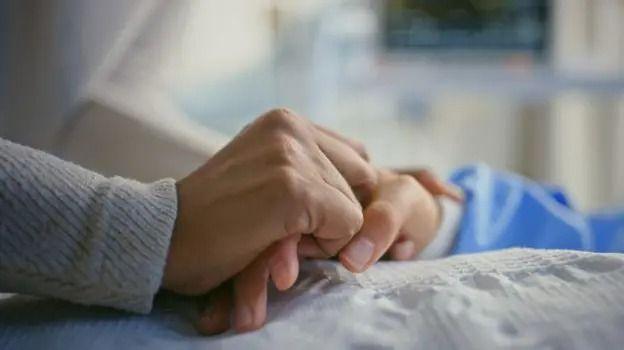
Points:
point(282, 189)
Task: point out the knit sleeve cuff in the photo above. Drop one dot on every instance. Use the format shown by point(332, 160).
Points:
point(140, 219)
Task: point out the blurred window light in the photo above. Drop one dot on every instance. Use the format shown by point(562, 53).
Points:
point(472, 25)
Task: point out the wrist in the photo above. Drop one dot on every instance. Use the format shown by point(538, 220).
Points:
point(434, 217)
point(170, 280)
point(450, 214)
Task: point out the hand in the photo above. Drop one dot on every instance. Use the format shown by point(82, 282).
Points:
point(434, 184)
point(405, 249)
point(281, 176)
point(250, 287)
point(403, 212)
point(246, 293)
point(406, 243)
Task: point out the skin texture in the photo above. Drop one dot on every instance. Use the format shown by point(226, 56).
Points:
point(400, 220)
point(281, 177)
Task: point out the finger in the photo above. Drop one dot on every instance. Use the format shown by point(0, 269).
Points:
point(319, 200)
point(402, 249)
point(324, 204)
point(315, 142)
point(250, 286)
point(349, 173)
point(250, 296)
point(381, 226)
point(329, 173)
point(332, 214)
point(284, 262)
point(313, 206)
point(435, 185)
point(338, 211)
point(383, 219)
point(309, 248)
point(355, 145)
point(216, 319)
point(360, 175)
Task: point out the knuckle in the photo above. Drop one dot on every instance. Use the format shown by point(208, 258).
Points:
point(291, 184)
point(387, 214)
point(361, 149)
point(287, 177)
point(358, 221)
point(286, 148)
point(295, 203)
point(407, 181)
point(297, 222)
point(410, 185)
point(352, 221)
point(293, 198)
point(281, 119)
point(366, 178)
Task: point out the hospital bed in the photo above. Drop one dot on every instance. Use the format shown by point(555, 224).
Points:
point(518, 298)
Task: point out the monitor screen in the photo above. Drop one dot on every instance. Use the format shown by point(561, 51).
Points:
point(503, 25)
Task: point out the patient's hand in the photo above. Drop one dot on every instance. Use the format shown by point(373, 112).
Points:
point(401, 219)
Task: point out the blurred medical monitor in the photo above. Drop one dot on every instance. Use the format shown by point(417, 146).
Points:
point(470, 25)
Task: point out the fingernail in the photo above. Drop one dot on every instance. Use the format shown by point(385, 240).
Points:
point(359, 253)
point(244, 318)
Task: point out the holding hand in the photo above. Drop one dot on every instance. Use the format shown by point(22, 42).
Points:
point(401, 219)
point(280, 177)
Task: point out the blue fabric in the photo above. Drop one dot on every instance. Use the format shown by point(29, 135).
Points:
point(505, 210)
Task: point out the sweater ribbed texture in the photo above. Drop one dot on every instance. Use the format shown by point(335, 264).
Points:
point(70, 233)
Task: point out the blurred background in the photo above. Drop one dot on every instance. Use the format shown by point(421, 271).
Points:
point(535, 87)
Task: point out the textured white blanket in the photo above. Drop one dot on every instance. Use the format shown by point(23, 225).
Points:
point(515, 298)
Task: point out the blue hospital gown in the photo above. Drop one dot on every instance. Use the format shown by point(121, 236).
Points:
point(505, 210)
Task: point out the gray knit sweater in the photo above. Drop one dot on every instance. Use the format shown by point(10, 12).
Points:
point(69, 233)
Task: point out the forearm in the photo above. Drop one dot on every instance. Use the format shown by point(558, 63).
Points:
point(70, 233)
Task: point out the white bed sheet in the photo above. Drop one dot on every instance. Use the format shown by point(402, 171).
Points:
point(517, 298)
